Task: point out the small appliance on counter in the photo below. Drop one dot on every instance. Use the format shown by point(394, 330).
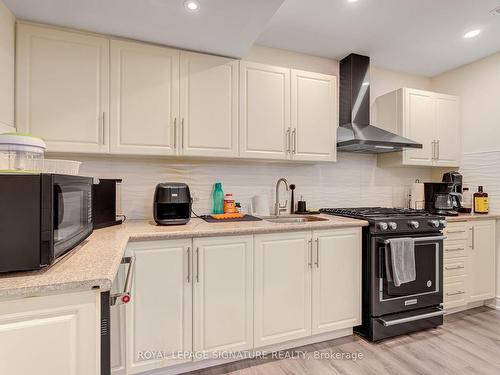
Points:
point(440, 200)
point(42, 217)
point(172, 203)
point(105, 202)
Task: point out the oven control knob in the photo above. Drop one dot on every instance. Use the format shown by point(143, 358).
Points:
point(443, 223)
point(413, 224)
point(382, 225)
point(434, 223)
point(392, 225)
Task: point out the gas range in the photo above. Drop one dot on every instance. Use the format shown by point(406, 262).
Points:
point(392, 220)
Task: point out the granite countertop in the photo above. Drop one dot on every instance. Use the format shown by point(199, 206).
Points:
point(468, 217)
point(95, 262)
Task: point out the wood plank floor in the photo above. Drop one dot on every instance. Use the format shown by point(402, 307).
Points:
point(468, 343)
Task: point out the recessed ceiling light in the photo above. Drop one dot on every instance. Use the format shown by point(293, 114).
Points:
point(192, 5)
point(352, 1)
point(472, 33)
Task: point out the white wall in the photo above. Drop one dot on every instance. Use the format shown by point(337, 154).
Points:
point(355, 180)
point(7, 42)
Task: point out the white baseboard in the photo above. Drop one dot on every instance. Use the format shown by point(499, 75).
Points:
point(193, 366)
point(494, 303)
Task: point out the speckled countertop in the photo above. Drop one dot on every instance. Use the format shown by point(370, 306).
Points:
point(95, 262)
point(467, 217)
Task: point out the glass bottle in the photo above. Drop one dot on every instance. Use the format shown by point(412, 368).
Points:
point(481, 204)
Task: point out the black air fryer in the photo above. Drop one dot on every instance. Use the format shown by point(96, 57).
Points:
point(172, 203)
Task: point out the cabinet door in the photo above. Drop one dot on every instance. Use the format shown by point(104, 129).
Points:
point(419, 125)
point(482, 259)
point(336, 283)
point(282, 287)
point(209, 105)
point(264, 111)
point(56, 335)
point(159, 315)
point(144, 98)
point(62, 88)
point(223, 294)
point(314, 116)
point(448, 133)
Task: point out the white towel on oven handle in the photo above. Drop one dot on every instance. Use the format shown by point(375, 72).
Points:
point(401, 268)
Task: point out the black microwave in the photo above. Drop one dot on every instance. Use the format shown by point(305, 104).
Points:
point(42, 217)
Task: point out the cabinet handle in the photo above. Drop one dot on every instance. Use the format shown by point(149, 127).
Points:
point(294, 134)
point(454, 249)
point(182, 133)
point(472, 237)
point(175, 132)
point(309, 258)
point(317, 252)
point(125, 296)
point(453, 268)
point(455, 231)
point(189, 264)
point(438, 150)
point(103, 128)
point(197, 264)
point(288, 141)
point(434, 150)
point(455, 293)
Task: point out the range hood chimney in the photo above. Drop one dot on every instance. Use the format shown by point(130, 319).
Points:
point(355, 134)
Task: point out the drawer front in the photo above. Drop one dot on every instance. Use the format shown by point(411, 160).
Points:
point(455, 293)
point(455, 267)
point(456, 231)
point(455, 249)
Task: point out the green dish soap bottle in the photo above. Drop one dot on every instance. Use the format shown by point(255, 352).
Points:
point(218, 199)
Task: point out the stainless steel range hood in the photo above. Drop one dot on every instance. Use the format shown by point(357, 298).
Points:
point(355, 134)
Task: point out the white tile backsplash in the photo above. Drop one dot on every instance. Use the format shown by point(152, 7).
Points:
point(355, 180)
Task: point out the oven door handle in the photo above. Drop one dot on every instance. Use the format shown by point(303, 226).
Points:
point(422, 239)
point(124, 297)
point(389, 323)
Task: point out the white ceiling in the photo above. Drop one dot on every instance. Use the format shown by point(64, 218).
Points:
point(225, 27)
point(417, 36)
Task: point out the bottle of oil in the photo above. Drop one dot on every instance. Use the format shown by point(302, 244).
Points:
point(481, 201)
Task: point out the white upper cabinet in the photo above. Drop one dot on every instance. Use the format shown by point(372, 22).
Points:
point(144, 98)
point(223, 294)
point(62, 88)
point(429, 118)
point(314, 116)
point(208, 105)
point(264, 111)
point(7, 48)
point(448, 135)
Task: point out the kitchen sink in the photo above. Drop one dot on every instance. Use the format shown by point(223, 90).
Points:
point(293, 219)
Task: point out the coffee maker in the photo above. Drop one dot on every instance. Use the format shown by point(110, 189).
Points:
point(444, 198)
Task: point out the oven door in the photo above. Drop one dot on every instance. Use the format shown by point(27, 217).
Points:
point(71, 211)
point(426, 290)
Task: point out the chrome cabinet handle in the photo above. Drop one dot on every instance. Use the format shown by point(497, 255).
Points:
point(103, 128)
point(189, 264)
point(175, 132)
point(438, 150)
point(287, 139)
point(182, 133)
point(454, 268)
point(197, 264)
point(455, 231)
point(309, 258)
point(317, 252)
point(125, 296)
point(454, 249)
point(434, 150)
point(455, 293)
point(294, 135)
point(473, 235)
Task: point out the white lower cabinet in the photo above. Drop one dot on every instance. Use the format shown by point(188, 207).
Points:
point(223, 294)
point(56, 335)
point(336, 283)
point(482, 260)
point(159, 316)
point(282, 287)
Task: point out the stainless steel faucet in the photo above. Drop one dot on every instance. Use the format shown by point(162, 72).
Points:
point(278, 208)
